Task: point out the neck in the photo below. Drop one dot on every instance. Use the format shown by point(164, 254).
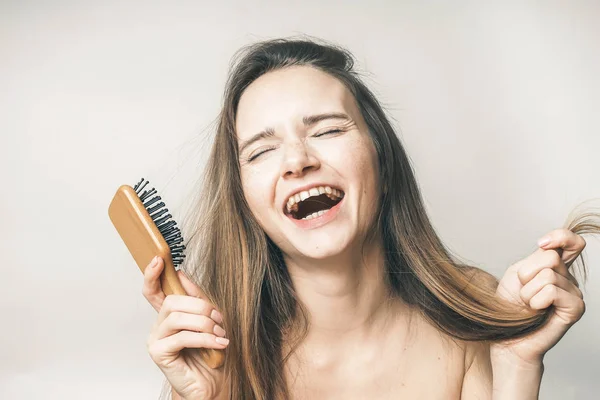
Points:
point(345, 296)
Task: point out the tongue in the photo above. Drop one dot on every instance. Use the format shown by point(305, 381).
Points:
point(314, 204)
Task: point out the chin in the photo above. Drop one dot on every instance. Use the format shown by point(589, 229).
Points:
point(319, 254)
point(320, 250)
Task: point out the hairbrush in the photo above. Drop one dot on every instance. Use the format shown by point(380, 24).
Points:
point(147, 228)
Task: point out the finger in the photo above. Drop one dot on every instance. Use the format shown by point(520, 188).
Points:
point(190, 287)
point(570, 243)
point(569, 307)
point(541, 259)
point(178, 321)
point(547, 276)
point(152, 289)
point(188, 304)
point(172, 345)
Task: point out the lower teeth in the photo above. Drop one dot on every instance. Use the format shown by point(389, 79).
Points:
point(315, 214)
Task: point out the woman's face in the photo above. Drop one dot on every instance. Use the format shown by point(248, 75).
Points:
point(308, 167)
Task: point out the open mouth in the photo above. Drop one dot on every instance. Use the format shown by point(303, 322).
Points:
point(313, 204)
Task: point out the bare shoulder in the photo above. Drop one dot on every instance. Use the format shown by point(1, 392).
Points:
point(467, 363)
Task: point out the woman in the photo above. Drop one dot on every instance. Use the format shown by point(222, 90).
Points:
point(320, 273)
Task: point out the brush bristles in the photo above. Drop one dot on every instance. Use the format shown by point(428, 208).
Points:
point(167, 227)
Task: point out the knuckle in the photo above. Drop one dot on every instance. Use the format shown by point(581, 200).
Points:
point(204, 306)
point(562, 235)
point(175, 318)
point(548, 291)
point(554, 235)
point(513, 269)
point(201, 302)
point(521, 273)
point(169, 302)
point(548, 275)
point(553, 258)
point(177, 340)
point(206, 324)
point(206, 338)
point(524, 293)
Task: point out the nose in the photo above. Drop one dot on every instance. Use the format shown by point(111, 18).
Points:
point(298, 160)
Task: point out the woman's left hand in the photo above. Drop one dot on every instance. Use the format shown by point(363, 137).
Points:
point(539, 281)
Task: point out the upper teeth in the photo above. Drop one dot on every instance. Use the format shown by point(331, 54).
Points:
point(292, 203)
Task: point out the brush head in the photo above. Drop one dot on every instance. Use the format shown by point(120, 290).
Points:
point(161, 217)
point(145, 225)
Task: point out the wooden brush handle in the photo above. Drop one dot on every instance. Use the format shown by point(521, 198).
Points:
point(144, 241)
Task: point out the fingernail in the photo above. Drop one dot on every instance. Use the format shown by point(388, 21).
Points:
point(222, 340)
point(216, 316)
point(543, 241)
point(154, 262)
point(219, 331)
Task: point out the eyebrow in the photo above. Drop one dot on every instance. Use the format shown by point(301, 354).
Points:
point(307, 121)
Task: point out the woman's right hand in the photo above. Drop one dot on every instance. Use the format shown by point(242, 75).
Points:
point(184, 324)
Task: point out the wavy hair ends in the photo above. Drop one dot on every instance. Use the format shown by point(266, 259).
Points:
point(242, 271)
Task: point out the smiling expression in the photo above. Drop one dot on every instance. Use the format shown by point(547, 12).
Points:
point(309, 169)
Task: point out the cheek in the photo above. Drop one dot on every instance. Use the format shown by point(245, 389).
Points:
point(365, 170)
point(364, 165)
point(258, 191)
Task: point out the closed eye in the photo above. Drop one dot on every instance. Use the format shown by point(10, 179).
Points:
point(328, 132)
point(254, 156)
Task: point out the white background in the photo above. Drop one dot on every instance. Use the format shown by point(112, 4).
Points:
point(496, 102)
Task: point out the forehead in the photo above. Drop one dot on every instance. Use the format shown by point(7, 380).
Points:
point(283, 97)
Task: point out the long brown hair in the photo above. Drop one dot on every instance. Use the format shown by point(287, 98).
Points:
point(242, 270)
